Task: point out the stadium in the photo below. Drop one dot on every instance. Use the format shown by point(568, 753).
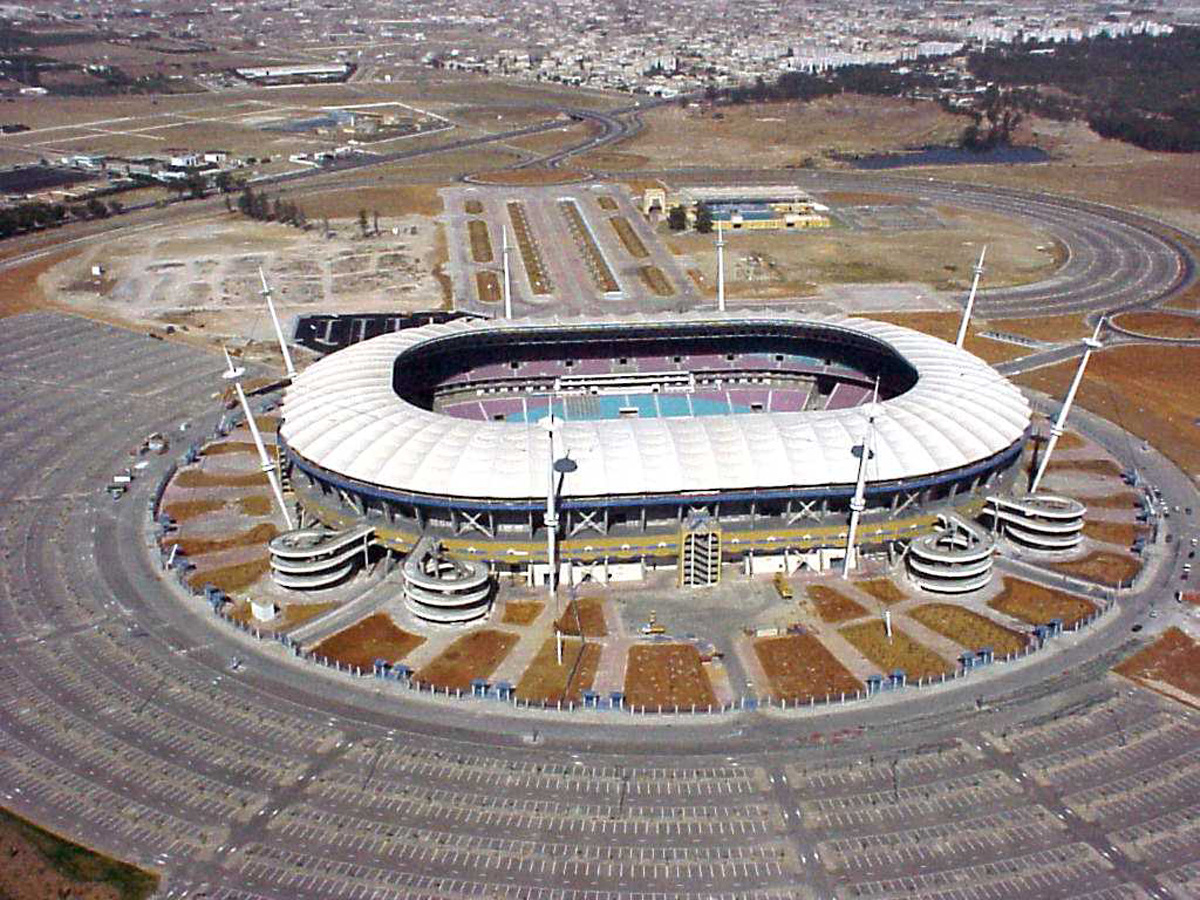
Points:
point(681, 440)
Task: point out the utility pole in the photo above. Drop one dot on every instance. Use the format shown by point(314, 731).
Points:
point(1056, 430)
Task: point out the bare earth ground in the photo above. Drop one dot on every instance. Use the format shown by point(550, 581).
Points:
point(797, 263)
point(1160, 324)
point(1037, 605)
point(369, 639)
point(667, 674)
point(779, 134)
point(1170, 665)
point(208, 280)
point(39, 865)
point(1143, 390)
point(799, 667)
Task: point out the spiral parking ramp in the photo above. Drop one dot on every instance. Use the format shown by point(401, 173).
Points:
point(1041, 521)
point(305, 559)
point(443, 590)
point(955, 559)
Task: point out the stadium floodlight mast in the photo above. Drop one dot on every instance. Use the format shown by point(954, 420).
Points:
point(966, 319)
point(720, 268)
point(1056, 430)
point(508, 312)
point(859, 501)
point(558, 464)
point(283, 347)
point(234, 375)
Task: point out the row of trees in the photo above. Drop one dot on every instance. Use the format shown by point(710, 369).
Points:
point(25, 217)
point(257, 205)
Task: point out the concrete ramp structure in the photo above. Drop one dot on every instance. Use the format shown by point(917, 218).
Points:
point(310, 558)
point(953, 560)
point(443, 590)
point(1040, 521)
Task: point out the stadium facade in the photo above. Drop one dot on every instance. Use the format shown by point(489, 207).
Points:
point(671, 429)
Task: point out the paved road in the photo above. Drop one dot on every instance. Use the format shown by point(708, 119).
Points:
point(121, 725)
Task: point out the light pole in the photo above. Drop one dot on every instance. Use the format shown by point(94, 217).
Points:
point(234, 374)
point(508, 312)
point(966, 319)
point(720, 268)
point(283, 347)
point(1056, 430)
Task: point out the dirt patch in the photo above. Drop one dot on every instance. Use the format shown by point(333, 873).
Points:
point(473, 207)
point(834, 606)
point(531, 256)
point(255, 505)
point(372, 638)
point(231, 579)
point(1110, 569)
point(296, 614)
point(489, 288)
point(628, 236)
point(1037, 605)
point(1069, 440)
point(1120, 533)
point(545, 681)
point(198, 478)
point(968, 629)
point(668, 676)
point(1139, 389)
point(602, 275)
point(1125, 500)
point(1160, 324)
point(898, 652)
point(472, 656)
point(586, 613)
point(481, 244)
point(608, 204)
point(1091, 466)
point(799, 667)
point(1173, 660)
point(882, 589)
point(521, 613)
point(656, 280)
point(224, 447)
point(20, 289)
point(39, 864)
point(392, 200)
point(195, 546)
point(182, 510)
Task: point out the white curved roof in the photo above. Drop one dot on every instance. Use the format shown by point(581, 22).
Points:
point(343, 415)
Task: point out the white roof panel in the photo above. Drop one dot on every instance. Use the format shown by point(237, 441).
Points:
point(343, 415)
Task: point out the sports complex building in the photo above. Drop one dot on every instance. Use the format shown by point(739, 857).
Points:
point(689, 441)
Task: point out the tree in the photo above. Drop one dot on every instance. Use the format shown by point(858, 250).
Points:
point(115, 207)
point(704, 219)
point(224, 182)
point(362, 221)
point(375, 222)
point(677, 218)
point(196, 186)
point(245, 203)
point(96, 209)
point(325, 225)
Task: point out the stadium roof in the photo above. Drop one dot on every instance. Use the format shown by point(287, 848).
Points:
point(343, 415)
